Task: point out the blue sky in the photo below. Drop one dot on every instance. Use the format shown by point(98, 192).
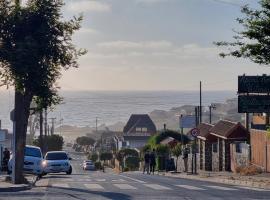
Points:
point(156, 45)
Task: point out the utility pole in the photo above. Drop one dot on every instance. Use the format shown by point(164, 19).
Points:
point(210, 112)
point(200, 102)
point(53, 123)
point(96, 124)
point(46, 123)
point(41, 131)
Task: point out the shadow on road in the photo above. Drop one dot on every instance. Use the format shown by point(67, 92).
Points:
point(15, 189)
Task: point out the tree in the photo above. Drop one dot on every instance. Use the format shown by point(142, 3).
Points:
point(35, 46)
point(105, 156)
point(94, 157)
point(253, 42)
point(54, 142)
point(84, 141)
point(177, 151)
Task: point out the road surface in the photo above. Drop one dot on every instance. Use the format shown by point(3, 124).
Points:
point(82, 185)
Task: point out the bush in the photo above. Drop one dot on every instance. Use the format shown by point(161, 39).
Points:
point(126, 169)
point(98, 165)
point(93, 157)
point(248, 170)
point(53, 142)
point(133, 163)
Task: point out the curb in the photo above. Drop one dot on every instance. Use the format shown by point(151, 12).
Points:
point(222, 180)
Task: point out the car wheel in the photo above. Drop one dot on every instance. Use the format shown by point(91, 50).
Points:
point(69, 171)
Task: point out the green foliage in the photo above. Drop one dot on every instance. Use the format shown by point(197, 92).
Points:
point(253, 41)
point(162, 150)
point(42, 43)
point(93, 157)
point(169, 133)
point(133, 163)
point(126, 153)
point(84, 140)
point(106, 156)
point(98, 166)
point(146, 148)
point(53, 142)
point(177, 150)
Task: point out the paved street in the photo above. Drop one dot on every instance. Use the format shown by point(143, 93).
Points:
point(98, 185)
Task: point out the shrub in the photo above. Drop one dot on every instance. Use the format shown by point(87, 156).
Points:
point(126, 169)
point(133, 163)
point(248, 170)
point(98, 165)
point(93, 157)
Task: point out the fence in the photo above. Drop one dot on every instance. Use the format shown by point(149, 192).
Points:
point(260, 149)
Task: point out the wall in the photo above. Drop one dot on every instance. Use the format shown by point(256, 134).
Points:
point(260, 149)
point(239, 159)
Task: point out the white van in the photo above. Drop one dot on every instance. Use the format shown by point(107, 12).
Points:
point(32, 161)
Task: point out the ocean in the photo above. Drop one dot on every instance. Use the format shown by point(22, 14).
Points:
point(81, 108)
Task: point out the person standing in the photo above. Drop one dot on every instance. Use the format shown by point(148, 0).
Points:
point(146, 162)
point(6, 157)
point(153, 161)
point(185, 158)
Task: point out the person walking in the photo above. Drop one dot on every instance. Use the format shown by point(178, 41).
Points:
point(146, 162)
point(185, 158)
point(153, 161)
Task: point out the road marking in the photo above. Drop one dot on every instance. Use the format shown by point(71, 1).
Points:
point(100, 180)
point(125, 187)
point(137, 180)
point(157, 187)
point(190, 187)
point(255, 189)
point(93, 186)
point(220, 188)
point(118, 180)
point(63, 185)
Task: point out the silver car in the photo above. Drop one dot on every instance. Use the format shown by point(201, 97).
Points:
point(88, 165)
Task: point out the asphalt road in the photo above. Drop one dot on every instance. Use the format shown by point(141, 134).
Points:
point(83, 185)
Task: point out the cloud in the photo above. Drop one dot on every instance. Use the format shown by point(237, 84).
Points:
point(151, 1)
point(88, 6)
point(87, 31)
point(129, 45)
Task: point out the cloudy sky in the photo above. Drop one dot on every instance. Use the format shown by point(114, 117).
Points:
point(155, 45)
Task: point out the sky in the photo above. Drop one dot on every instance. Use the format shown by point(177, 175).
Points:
point(156, 45)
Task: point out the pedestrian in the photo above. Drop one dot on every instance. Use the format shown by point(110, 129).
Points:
point(146, 162)
point(6, 157)
point(185, 158)
point(153, 161)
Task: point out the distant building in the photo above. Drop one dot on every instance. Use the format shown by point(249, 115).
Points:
point(136, 132)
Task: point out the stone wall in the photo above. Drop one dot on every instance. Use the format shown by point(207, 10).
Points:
point(215, 161)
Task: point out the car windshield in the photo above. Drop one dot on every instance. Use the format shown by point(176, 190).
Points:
point(56, 156)
point(33, 152)
point(89, 163)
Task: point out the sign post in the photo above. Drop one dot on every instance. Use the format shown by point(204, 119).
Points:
point(195, 132)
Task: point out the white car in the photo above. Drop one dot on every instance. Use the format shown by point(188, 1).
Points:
point(88, 165)
point(32, 161)
point(56, 162)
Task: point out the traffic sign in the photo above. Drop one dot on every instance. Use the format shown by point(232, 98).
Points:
point(195, 132)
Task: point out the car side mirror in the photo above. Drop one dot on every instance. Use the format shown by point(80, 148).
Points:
point(70, 158)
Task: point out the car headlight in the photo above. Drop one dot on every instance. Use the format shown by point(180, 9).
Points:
point(44, 163)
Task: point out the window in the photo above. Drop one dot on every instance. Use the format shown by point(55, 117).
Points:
point(238, 147)
point(144, 129)
point(138, 129)
point(215, 147)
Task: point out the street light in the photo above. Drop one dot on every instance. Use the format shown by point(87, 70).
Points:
point(212, 106)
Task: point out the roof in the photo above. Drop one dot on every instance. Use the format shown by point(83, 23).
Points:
point(139, 121)
point(204, 129)
point(167, 140)
point(224, 128)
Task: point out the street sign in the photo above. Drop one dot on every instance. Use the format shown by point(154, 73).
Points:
point(188, 121)
point(195, 132)
point(254, 84)
point(254, 104)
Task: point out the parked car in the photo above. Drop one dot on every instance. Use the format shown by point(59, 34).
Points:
point(56, 162)
point(32, 161)
point(88, 165)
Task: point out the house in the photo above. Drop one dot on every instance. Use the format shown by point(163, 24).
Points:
point(225, 133)
point(136, 132)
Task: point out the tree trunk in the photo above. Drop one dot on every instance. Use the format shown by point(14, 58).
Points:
point(41, 131)
point(21, 115)
point(176, 164)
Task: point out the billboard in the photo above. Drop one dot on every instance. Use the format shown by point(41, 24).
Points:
point(254, 84)
point(188, 121)
point(254, 104)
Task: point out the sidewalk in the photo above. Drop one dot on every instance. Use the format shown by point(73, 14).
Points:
point(258, 181)
point(7, 186)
